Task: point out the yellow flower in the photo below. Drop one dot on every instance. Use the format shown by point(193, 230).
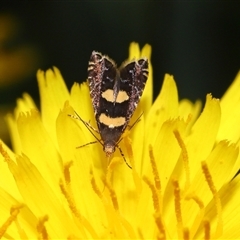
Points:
point(181, 185)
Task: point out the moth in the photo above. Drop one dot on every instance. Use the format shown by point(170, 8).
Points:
point(115, 95)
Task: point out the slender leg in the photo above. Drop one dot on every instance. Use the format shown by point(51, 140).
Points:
point(120, 150)
point(138, 120)
point(87, 144)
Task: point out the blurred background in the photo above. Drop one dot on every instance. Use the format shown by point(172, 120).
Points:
point(197, 42)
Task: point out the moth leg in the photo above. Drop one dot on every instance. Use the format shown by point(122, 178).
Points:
point(138, 120)
point(121, 152)
point(87, 144)
point(88, 126)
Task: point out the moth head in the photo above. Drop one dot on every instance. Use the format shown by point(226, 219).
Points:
point(109, 149)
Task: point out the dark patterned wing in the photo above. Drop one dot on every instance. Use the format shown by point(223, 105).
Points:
point(133, 77)
point(101, 76)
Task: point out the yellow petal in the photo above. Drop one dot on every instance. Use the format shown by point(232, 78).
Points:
point(134, 51)
point(10, 207)
point(33, 186)
point(230, 196)
point(7, 182)
point(220, 163)
point(35, 140)
point(165, 107)
point(24, 104)
point(202, 138)
point(167, 149)
point(53, 94)
point(189, 112)
point(71, 134)
point(14, 135)
point(230, 108)
point(81, 102)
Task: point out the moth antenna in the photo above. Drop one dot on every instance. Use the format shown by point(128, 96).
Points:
point(121, 152)
point(86, 125)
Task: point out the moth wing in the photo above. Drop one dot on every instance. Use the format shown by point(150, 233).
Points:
point(101, 76)
point(133, 77)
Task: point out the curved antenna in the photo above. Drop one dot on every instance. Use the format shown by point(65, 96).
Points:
point(88, 126)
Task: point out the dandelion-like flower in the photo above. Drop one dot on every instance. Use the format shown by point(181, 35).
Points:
point(182, 184)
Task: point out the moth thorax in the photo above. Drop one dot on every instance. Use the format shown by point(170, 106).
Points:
point(109, 149)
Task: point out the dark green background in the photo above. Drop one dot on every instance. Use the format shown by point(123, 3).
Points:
point(198, 42)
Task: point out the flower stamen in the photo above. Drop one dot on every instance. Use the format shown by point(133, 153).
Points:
point(43, 234)
point(154, 193)
point(136, 178)
point(113, 195)
point(159, 222)
point(208, 177)
point(186, 234)
point(15, 210)
point(70, 200)
point(72, 206)
point(5, 154)
point(154, 169)
point(206, 226)
point(66, 172)
point(200, 215)
point(177, 203)
point(158, 218)
point(184, 155)
point(156, 196)
point(197, 200)
point(67, 192)
point(94, 185)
